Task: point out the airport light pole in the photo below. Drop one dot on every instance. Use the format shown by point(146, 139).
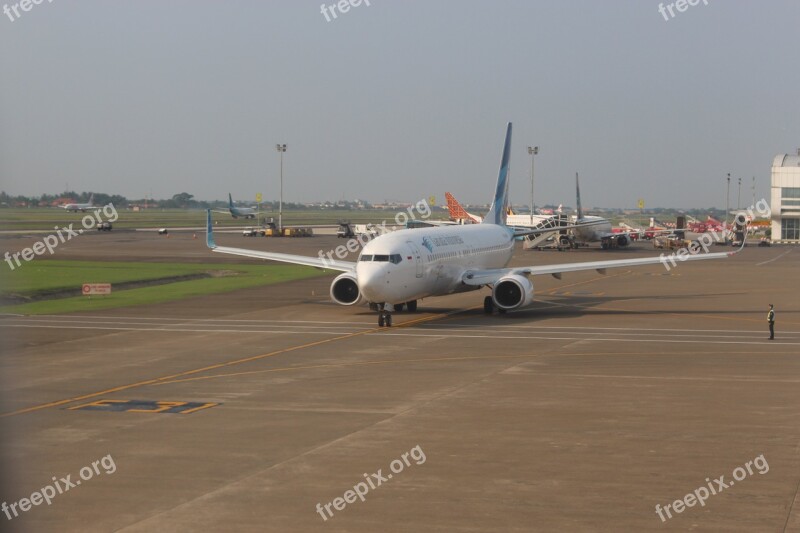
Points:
point(532, 150)
point(281, 148)
point(727, 200)
point(739, 196)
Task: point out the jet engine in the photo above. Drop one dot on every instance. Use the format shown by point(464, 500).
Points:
point(344, 289)
point(512, 292)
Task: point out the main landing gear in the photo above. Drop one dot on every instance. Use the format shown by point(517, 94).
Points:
point(385, 311)
point(489, 307)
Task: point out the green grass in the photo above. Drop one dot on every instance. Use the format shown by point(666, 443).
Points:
point(46, 218)
point(40, 276)
point(55, 275)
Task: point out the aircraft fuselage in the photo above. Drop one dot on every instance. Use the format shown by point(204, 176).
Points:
point(408, 265)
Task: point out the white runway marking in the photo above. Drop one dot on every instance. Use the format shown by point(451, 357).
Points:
point(695, 340)
point(439, 331)
point(184, 330)
point(773, 259)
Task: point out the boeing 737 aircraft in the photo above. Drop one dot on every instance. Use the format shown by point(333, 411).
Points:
point(399, 268)
point(596, 229)
point(82, 207)
point(237, 212)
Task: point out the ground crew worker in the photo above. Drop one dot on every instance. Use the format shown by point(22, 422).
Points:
point(771, 320)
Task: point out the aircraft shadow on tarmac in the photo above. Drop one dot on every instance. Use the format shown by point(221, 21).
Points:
point(577, 305)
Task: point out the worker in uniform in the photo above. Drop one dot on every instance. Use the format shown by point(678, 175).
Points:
point(771, 320)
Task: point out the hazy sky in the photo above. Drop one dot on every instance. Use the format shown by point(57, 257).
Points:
point(400, 99)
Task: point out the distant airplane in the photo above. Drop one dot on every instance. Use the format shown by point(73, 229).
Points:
point(397, 269)
point(459, 214)
point(82, 207)
point(597, 229)
point(462, 216)
point(239, 212)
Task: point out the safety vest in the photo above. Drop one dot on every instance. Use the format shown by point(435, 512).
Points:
point(771, 316)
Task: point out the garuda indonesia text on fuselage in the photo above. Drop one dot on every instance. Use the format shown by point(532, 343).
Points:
point(397, 269)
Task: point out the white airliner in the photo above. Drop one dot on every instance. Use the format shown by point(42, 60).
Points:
point(399, 268)
point(596, 229)
point(460, 215)
point(236, 212)
point(82, 207)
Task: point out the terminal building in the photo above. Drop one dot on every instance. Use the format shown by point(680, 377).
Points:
point(785, 202)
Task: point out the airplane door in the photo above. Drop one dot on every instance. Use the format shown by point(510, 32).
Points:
point(417, 257)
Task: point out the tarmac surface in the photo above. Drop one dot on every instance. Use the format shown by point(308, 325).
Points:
point(613, 394)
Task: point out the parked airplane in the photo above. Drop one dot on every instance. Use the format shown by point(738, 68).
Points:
point(458, 213)
point(461, 216)
point(82, 207)
point(399, 268)
point(596, 229)
point(237, 212)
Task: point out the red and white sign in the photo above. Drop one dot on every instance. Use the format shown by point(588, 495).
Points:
point(91, 289)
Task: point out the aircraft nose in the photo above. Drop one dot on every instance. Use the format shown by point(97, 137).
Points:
point(372, 280)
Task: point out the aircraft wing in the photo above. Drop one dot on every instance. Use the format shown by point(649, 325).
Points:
point(612, 235)
point(434, 223)
point(317, 262)
point(490, 276)
point(522, 231)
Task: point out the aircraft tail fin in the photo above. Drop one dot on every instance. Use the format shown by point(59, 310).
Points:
point(457, 212)
point(498, 212)
point(578, 196)
point(230, 201)
point(209, 231)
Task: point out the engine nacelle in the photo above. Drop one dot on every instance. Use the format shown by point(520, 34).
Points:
point(512, 292)
point(344, 289)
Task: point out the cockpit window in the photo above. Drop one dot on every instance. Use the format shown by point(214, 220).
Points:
point(394, 258)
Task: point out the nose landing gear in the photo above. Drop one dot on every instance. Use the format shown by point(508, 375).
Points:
point(385, 311)
point(385, 315)
point(384, 319)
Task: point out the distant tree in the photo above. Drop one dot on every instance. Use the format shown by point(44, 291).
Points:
point(182, 200)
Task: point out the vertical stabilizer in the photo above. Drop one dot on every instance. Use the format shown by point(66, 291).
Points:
point(457, 212)
point(578, 196)
point(498, 212)
point(209, 231)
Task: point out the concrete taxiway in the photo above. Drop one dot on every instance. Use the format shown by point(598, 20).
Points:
point(613, 394)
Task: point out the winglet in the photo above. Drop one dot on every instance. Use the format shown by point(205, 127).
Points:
point(741, 247)
point(497, 213)
point(209, 231)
